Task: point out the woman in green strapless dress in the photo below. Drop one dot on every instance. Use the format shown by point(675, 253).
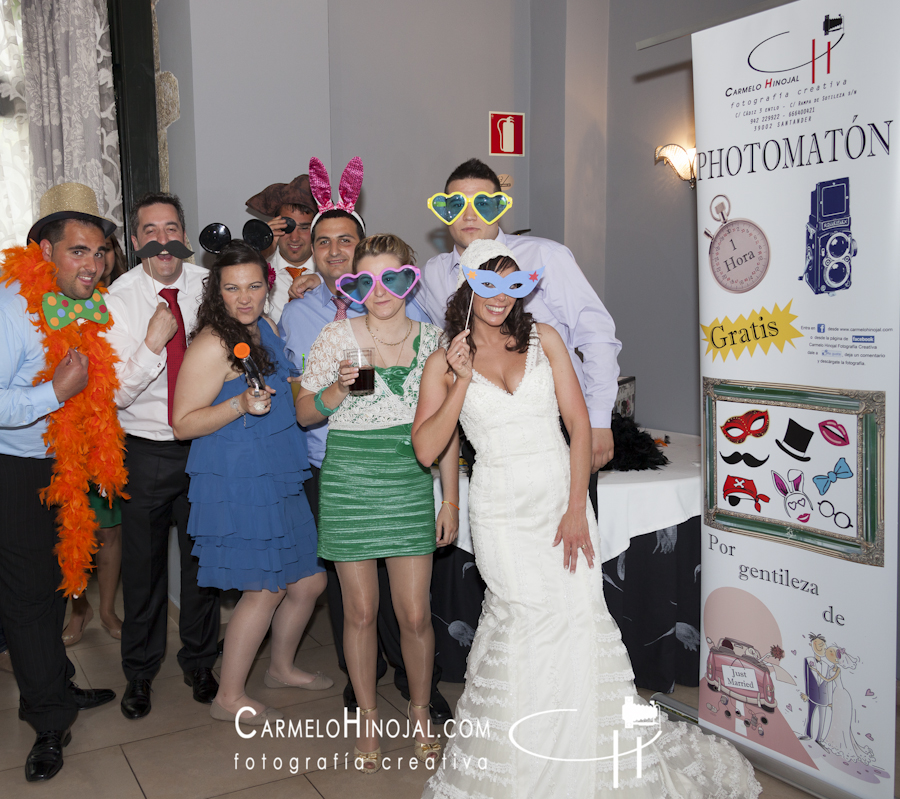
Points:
point(376, 500)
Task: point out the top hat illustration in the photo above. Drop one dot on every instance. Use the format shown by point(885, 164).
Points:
point(796, 440)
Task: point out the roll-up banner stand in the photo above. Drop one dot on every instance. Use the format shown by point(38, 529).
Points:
point(799, 263)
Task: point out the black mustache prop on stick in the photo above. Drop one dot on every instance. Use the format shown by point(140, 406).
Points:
point(746, 457)
point(174, 247)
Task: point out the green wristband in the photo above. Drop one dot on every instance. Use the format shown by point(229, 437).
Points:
point(320, 406)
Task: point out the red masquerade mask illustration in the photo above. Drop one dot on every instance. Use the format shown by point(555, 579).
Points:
point(753, 423)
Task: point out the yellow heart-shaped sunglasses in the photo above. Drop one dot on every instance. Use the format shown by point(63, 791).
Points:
point(489, 207)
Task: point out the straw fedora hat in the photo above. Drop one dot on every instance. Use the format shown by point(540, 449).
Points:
point(69, 201)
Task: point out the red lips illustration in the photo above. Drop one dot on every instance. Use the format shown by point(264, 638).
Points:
point(834, 433)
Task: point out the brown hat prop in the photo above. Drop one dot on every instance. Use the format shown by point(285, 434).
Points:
point(269, 201)
point(69, 201)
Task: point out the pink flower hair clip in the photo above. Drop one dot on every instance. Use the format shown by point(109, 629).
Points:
point(348, 189)
point(270, 275)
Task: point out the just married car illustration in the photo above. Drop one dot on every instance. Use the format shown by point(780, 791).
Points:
point(737, 670)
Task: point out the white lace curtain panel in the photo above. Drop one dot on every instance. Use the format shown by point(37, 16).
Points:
point(70, 104)
point(16, 212)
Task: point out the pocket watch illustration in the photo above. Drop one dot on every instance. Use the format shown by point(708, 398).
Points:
point(739, 250)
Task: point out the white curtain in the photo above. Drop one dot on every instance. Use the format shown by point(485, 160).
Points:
point(16, 211)
point(70, 99)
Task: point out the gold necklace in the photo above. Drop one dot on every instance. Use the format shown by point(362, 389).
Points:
point(388, 343)
point(378, 350)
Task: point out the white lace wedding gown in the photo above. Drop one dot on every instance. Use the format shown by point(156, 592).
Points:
point(841, 740)
point(546, 643)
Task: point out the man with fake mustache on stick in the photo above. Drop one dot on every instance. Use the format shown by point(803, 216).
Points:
point(157, 307)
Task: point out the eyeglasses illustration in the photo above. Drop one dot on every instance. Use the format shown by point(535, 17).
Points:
point(841, 519)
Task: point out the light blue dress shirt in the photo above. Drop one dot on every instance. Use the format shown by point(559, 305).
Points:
point(23, 407)
point(301, 322)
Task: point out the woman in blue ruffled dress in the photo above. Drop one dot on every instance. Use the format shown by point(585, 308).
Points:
point(250, 520)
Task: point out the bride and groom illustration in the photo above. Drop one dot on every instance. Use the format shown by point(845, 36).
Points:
point(830, 715)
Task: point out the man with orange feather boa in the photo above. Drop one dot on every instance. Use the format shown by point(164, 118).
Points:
point(58, 433)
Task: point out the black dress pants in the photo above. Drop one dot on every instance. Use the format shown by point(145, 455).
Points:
point(31, 608)
point(388, 627)
point(158, 485)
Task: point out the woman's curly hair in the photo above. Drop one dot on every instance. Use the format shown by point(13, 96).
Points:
point(214, 315)
point(517, 325)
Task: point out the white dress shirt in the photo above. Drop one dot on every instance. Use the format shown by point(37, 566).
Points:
point(143, 395)
point(278, 294)
point(563, 299)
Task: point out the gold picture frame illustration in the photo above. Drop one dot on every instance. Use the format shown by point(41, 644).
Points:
point(863, 540)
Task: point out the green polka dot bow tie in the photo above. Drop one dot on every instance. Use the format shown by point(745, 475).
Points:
point(59, 310)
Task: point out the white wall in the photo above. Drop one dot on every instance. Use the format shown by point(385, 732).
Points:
point(587, 73)
point(255, 99)
point(412, 85)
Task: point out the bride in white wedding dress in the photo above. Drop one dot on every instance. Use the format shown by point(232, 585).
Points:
point(548, 675)
point(841, 739)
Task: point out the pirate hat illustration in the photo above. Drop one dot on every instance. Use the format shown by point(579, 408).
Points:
point(796, 440)
point(737, 488)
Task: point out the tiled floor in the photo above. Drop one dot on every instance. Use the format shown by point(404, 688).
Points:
point(178, 751)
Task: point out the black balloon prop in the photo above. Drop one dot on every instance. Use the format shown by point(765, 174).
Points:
point(215, 237)
point(174, 247)
point(258, 234)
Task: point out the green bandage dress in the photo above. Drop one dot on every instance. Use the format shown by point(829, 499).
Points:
point(375, 499)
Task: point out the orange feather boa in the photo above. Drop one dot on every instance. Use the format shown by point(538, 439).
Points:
point(84, 435)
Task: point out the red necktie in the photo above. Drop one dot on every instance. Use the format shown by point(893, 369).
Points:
point(342, 306)
point(176, 346)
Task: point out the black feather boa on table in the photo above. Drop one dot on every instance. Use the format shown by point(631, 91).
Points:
point(635, 449)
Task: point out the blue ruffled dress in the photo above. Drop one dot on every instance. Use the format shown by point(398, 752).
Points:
point(250, 519)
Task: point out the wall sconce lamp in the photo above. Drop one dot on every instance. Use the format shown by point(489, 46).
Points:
point(681, 160)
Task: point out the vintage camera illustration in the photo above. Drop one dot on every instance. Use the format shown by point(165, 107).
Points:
point(830, 246)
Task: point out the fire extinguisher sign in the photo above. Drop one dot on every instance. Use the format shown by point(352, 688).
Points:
point(507, 134)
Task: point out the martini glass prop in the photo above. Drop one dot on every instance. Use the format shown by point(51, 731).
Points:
point(251, 370)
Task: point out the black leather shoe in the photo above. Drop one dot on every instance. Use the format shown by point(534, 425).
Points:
point(440, 708)
point(46, 756)
point(203, 681)
point(136, 699)
point(86, 698)
point(350, 697)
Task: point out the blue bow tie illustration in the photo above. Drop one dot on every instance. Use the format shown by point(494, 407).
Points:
point(823, 481)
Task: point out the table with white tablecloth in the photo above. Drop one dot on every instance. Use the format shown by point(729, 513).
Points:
point(630, 504)
point(647, 521)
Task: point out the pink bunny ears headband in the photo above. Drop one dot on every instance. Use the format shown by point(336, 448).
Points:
point(348, 190)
